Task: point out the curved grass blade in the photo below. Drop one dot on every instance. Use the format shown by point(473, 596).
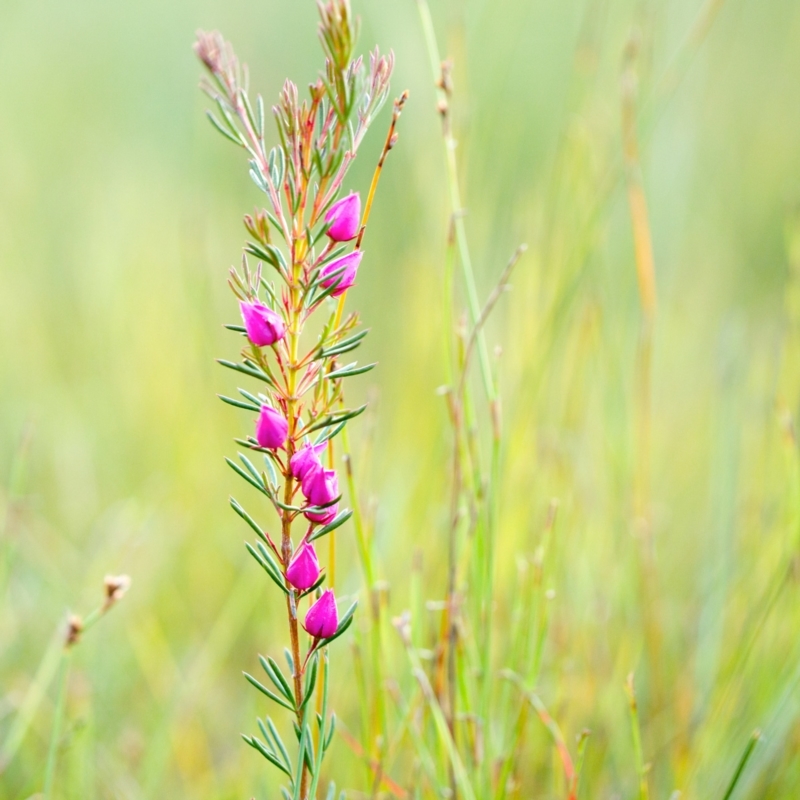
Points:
point(748, 751)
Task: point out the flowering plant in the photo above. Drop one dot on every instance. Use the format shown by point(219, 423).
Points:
point(303, 236)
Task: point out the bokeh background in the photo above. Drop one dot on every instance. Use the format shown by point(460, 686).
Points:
point(120, 212)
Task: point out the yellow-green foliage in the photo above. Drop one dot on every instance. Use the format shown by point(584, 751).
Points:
point(120, 211)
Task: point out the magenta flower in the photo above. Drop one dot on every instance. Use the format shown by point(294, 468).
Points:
point(306, 459)
point(303, 571)
point(322, 619)
point(345, 216)
point(320, 486)
point(264, 327)
point(271, 428)
point(346, 268)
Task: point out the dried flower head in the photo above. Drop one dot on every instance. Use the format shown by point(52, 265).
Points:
point(74, 628)
point(116, 586)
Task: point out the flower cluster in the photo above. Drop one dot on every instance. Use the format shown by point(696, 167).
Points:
point(310, 237)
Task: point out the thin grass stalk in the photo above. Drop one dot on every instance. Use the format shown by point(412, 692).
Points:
point(47, 670)
point(532, 646)
point(57, 724)
point(464, 422)
point(440, 81)
point(645, 271)
point(364, 549)
point(641, 767)
point(462, 781)
point(740, 767)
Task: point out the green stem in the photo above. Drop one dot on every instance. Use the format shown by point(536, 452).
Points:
point(442, 729)
point(748, 751)
point(455, 196)
point(323, 733)
point(368, 567)
point(47, 670)
point(641, 767)
point(58, 721)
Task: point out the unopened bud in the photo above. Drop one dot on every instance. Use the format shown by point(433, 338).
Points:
point(344, 271)
point(271, 428)
point(322, 619)
point(303, 570)
point(345, 218)
point(263, 325)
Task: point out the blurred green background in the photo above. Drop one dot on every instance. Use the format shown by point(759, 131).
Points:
point(120, 212)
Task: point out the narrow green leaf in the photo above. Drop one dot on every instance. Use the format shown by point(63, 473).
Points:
point(330, 433)
point(272, 696)
point(256, 744)
point(260, 116)
point(344, 346)
point(249, 109)
point(278, 742)
point(329, 737)
point(322, 506)
point(247, 370)
point(311, 682)
point(338, 520)
point(238, 403)
point(248, 519)
point(335, 419)
point(258, 180)
point(275, 675)
point(257, 401)
point(269, 558)
point(239, 471)
point(309, 750)
point(250, 468)
point(227, 134)
point(262, 254)
point(345, 623)
point(315, 297)
point(350, 369)
point(273, 476)
point(275, 576)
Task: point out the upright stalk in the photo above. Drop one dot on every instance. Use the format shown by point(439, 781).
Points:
point(645, 272)
point(58, 723)
point(301, 406)
point(441, 77)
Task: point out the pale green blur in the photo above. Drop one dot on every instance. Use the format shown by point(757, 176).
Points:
point(120, 213)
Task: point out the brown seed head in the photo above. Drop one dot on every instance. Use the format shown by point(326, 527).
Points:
point(116, 586)
point(74, 628)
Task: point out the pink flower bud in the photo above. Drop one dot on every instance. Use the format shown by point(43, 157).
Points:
point(306, 459)
point(264, 327)
point(320, 486)
point(303, 571)
point(346, 268)
point(271, 428)
point(322, 619)
point(345, 216)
